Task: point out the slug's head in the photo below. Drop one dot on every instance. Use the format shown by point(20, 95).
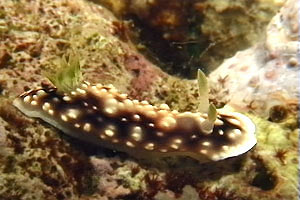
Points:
point(227, 134)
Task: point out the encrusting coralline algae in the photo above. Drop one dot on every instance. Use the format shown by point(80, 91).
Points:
point(267, 74)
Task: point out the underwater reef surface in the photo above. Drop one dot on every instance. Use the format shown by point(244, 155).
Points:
point(266, 76)
point(39, 162)
point(183, 35)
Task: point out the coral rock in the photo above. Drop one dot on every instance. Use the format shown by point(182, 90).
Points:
point(266, 74)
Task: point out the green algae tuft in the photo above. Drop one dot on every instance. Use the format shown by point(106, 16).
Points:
point(68, 75)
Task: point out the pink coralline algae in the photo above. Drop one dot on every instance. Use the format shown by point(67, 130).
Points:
point(267, 74)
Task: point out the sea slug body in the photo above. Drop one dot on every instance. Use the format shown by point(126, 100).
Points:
point(101, 115)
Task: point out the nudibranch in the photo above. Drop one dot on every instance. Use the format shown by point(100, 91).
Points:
point(101, 115)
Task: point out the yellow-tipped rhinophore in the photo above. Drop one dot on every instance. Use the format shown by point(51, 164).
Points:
point(204, 105)
point(203, 92)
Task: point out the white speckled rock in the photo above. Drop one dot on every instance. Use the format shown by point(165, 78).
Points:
point(266, 74)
